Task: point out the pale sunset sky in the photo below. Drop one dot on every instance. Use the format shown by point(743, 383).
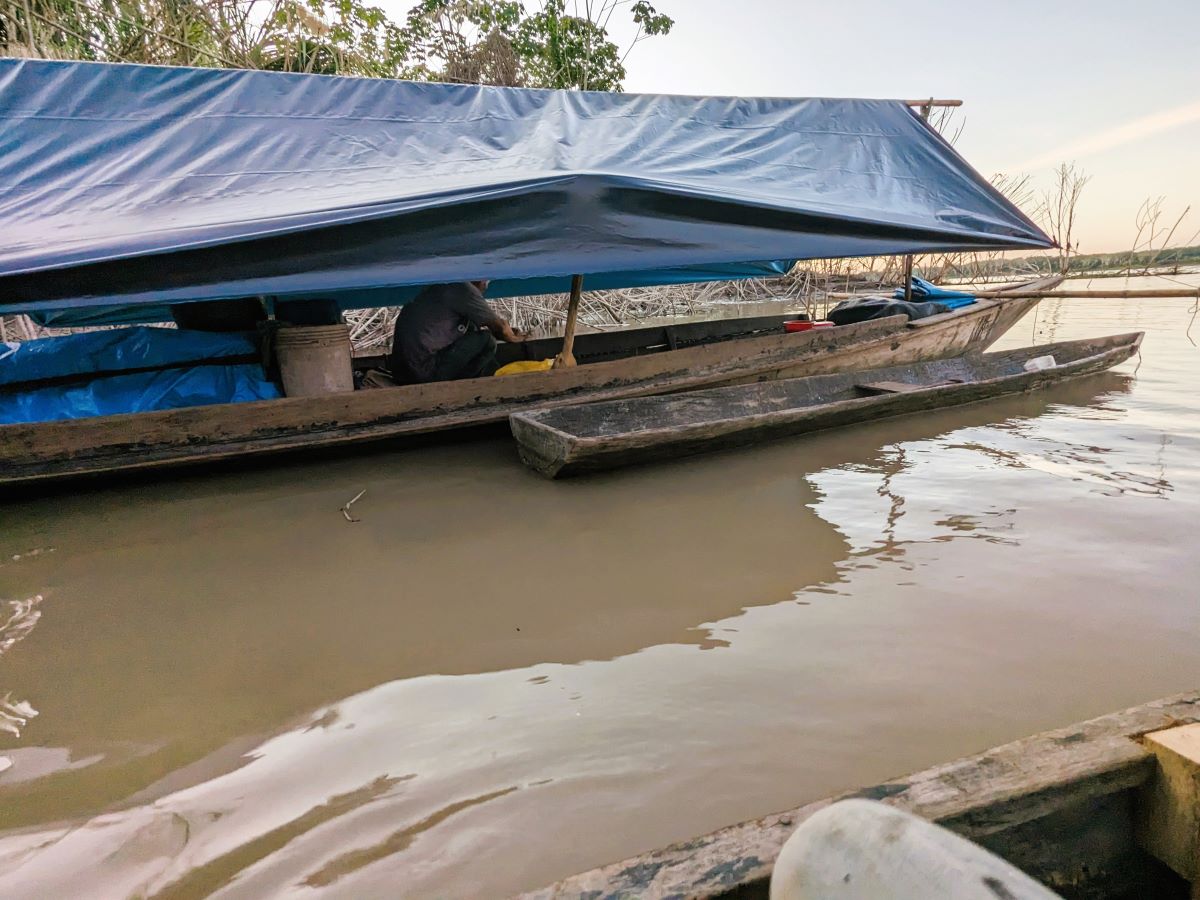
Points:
point(1112, 85)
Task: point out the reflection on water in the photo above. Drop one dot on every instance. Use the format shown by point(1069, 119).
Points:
point(17, 618)
point(492, 681)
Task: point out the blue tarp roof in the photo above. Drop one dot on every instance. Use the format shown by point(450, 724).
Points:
point(142, 185)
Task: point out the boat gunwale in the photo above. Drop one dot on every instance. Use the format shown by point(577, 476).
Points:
point(983, 797)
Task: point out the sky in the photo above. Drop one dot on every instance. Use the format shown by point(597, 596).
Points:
point(1113, 87)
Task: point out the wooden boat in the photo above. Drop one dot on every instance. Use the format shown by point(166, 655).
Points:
point(616, 365)
point(1102, 809)
point(569, 440)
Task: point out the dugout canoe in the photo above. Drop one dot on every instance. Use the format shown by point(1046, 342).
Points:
point(1101, 810)
point(570, 440)
point(613, 365)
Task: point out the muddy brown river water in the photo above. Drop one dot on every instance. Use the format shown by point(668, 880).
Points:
point(218, 685)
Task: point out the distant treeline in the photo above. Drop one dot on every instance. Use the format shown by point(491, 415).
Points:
point(1096, 262)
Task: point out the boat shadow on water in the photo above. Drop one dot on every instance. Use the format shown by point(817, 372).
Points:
point(594, 595)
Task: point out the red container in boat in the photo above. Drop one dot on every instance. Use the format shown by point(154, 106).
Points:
point(793, 327)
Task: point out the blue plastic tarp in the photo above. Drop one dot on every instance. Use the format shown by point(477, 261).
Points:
point(927, 290)
point(116, 350)
point(139, 392)
point(953, 302)
point(138, 185)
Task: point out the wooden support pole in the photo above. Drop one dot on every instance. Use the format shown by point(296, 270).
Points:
point(1168, 809)
point(926, 106)
point(566, 358)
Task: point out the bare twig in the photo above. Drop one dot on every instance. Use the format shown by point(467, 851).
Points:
point(1058, 209)
point(346, 508)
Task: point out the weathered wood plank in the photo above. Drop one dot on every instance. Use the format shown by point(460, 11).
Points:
point(1169, 813)
point(1000, 794)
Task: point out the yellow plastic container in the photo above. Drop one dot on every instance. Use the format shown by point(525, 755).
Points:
point(521, 366)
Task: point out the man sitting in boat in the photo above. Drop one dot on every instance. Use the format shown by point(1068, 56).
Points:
point(447, 332)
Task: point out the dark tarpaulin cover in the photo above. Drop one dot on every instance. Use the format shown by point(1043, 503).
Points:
point(861, 310)
point(124, 184)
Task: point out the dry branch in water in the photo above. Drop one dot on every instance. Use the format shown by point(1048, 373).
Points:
point(1058, 208)
point(346, 508)
point(1154, 236)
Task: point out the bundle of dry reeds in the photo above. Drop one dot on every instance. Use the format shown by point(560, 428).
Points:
point(802, 288)
point(545, 315)
point(17, 328)
point(813, 286)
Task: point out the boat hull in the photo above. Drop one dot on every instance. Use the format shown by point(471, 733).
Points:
point(576, 440)
point(48, 451)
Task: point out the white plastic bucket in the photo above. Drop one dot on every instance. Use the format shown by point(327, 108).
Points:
point(314, 361)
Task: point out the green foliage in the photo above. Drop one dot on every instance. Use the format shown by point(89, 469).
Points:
point(467, 41)
point(562, 51)
point(500, 42)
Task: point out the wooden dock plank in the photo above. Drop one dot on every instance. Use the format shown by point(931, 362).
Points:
point(997, 798)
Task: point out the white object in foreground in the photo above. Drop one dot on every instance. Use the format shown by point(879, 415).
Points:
point(863, 850)
point(1040, 364)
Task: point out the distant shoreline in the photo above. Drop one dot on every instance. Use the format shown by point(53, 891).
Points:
point(1157, 272)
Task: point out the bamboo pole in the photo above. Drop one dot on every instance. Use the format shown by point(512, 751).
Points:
point(1096, 295)
point(566, 358)
point(1077, 295)
point(930, 103)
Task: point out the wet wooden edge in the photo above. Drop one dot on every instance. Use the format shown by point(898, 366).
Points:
point(977, 797)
